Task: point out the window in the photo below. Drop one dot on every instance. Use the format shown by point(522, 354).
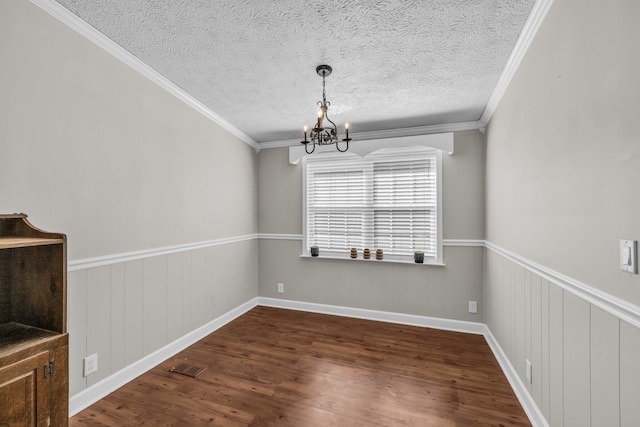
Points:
point(387, 200)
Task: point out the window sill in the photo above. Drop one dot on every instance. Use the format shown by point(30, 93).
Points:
point(375, 261)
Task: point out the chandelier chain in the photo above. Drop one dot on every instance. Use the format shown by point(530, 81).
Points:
point(324, 94)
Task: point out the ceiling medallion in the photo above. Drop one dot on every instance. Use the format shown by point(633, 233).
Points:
point(321, 135)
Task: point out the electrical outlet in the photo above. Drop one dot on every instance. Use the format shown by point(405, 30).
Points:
point(281, 288)
point(528, 370)
point(90, 364)
point(473, 307)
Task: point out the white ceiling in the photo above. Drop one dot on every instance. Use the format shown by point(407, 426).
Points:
point(396, 63)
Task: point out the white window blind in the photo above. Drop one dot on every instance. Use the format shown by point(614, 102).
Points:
point(387, 202)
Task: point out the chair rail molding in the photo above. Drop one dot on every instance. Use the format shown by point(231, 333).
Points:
point(81, 264)
point(619, 308)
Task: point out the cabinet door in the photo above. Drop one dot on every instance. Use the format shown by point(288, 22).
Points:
point(24, 392)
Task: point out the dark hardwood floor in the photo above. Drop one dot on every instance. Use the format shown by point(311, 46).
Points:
point(288, 368)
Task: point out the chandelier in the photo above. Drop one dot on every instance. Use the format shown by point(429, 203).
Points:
point(321, 135)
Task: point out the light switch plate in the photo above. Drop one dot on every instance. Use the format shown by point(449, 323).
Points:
point(528, 370)
point(628, 256)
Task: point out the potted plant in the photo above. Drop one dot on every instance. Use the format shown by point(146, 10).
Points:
point(315, 250)
point(418, 257)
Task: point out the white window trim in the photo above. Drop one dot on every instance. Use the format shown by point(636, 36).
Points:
point(437, 260)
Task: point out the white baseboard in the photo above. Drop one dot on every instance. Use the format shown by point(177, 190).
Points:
point(526, 400)
point(92, 394)
point(381, 316)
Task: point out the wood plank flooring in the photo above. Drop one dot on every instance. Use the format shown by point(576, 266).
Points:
point(273, 367)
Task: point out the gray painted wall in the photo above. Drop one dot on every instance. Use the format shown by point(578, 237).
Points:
point(563, 156)
point(411, 289)
point(563, 179)
point(95, 150)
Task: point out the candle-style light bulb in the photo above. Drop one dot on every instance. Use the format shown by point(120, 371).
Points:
point(346, 128)
point(305, 131)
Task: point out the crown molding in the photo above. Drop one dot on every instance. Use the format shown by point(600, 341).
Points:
point(530, 28)
point(538, 12)
point(81, 27)
point(384, 134)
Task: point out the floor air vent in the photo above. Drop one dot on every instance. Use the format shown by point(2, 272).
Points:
point(188, 370)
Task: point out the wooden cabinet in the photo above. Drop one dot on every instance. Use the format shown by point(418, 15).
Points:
point(34, 346)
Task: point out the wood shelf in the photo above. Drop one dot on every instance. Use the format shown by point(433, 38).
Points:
point(15, 335)
point(24, 242)
point(34, 344)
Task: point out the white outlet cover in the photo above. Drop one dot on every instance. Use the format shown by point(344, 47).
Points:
point(90, 364)
point(473, 307)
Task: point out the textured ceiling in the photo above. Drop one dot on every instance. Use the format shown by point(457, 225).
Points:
point(396, 63)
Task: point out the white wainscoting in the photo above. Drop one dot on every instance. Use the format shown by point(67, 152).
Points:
point(582, 343)
point(89, 396)
point(609, 303)
point(137, 309)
